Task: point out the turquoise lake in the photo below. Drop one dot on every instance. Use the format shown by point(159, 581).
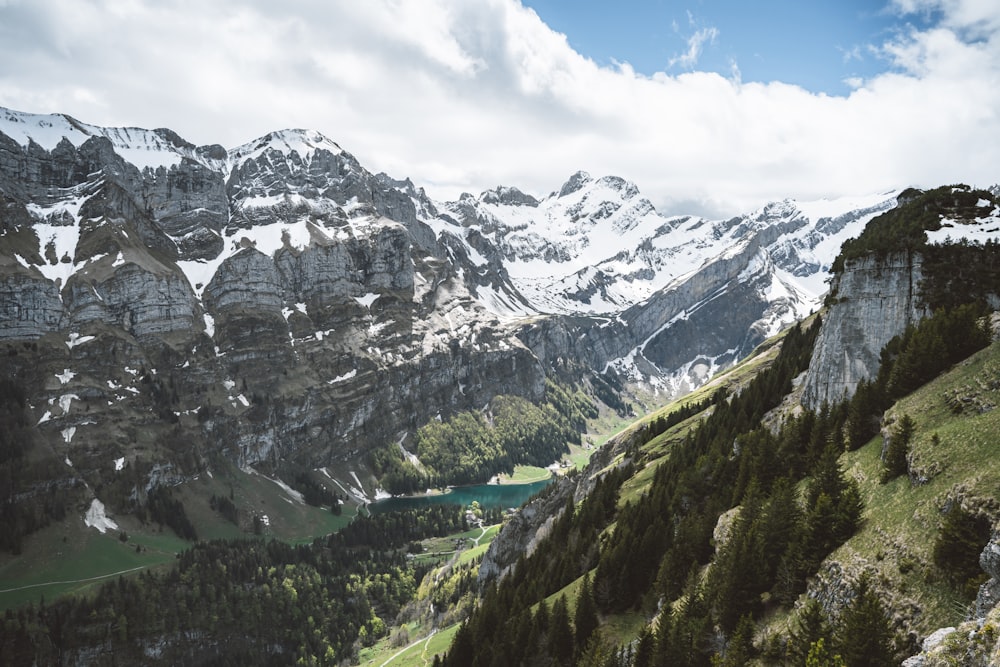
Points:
point(488, 495)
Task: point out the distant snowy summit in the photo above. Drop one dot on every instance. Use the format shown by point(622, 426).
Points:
point(293, 206)
point(597, 246)
point(155, 148)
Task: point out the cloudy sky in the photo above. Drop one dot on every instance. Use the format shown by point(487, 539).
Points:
point(709, 107)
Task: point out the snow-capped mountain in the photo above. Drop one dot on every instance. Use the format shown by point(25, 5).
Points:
point(599, 247)
point(293, 304)
point(658, 286)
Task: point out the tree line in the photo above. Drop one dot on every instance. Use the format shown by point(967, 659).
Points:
point(471, 447)
point(244, 601)
point(903, 228)
point(36, 488)
point(660, 540)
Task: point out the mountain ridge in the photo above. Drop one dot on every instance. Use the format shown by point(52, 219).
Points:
point(339, 294)
point(302, 313)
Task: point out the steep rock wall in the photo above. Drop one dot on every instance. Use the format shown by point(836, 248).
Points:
point(874, 299)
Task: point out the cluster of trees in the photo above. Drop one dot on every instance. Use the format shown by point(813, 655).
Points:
point(163, 396)
point(226, 507)
point(861, 636)
point(471, 447)
point(903, 228)
point(913, 358)
point(607, 388)
point(245, 601)
point(36, 488)
point(960, 541)
point(315, 493)
point(661, 543)
point(393, 529)
point(164, 509)
point(662, 423)
point(960, 272)
point(541, 636)
point(895, 463)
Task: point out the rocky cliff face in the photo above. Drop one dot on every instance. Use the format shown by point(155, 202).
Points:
point(873, 300)
point(926, 253)
point(167, 303)
point(278, 301)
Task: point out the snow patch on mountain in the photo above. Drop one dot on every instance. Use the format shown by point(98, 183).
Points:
point(302, 143)
point(97, 518)
point(982, 229)
point(599, 247)
point(142, 148)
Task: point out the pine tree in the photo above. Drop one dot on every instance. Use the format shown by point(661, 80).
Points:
point(812, 627)
point(820, 656)
point(560, 633)
point(899, 448)
point(863, 414)
point(834, 509)
point(740, 649)
point(820, 526)
point(645, 649)
point(585, 619)
point(864, 636)
point(828, 478)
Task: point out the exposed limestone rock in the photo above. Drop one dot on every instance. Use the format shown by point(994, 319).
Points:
point(329, 274)
point(141, 302)
point(30, 306)
point(976, 642)
point(927, 647)
point(874, 300)
point(189, 203)
point(989, 593)
point(532, 523)
point(524, 530)
point(246, 280)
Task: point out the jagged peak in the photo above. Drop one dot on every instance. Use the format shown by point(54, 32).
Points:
point(154, 148)
point(627, 188)
point(140, 147)
point(46, 130)
point(303, 142)
point(507, 196)
point(575, 182)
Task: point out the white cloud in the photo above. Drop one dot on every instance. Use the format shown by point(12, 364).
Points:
point(463, 96)
point(977, 18)
point(696, 43)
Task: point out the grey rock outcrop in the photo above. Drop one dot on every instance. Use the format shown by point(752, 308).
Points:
point(989, 592)
point(873, 300)
point(529, 526)
point(976, 642)
point(525, 530)
point(30, 306)
point(273, 302)
point(190, 204)
point(142, 302)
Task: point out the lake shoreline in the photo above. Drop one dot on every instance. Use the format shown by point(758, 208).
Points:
point(497, 480)
point(488, 496)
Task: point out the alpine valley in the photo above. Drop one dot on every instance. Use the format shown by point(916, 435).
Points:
point(210, 342)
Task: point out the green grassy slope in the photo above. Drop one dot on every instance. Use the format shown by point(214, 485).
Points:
point(70, 557)
point(902, 517)
point(954, 458)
